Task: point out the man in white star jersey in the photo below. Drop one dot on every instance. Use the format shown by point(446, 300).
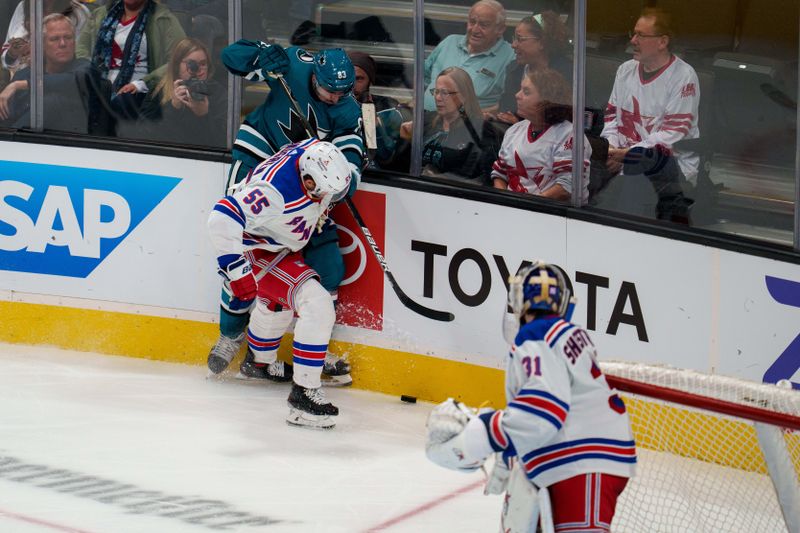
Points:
point(653, 105)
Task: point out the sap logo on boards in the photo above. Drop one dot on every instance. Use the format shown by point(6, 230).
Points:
point(627, 297)
point(65, 221)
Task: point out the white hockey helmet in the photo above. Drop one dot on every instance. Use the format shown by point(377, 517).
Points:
point(326, 165)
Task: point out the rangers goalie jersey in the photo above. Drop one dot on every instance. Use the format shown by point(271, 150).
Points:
point(562, 419)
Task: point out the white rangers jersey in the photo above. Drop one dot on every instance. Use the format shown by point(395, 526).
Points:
point(532, 162)
point(661, 110)
point(270, 210)
point(562, 419)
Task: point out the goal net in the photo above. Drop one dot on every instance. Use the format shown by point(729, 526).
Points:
point(716, 454)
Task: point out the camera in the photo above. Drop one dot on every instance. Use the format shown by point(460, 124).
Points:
point(198, 89)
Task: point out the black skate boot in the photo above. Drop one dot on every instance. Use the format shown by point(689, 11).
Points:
point(336, 371)
point(309, 408)
point(223, 352)
point(277, 371)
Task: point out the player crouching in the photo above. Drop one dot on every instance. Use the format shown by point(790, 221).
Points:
point(258, 232)
point(564, 435)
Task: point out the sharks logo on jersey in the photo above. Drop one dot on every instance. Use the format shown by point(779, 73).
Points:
point(295, 131)
point(274, 123)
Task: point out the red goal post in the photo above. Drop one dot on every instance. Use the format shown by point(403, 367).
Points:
point(715, 453)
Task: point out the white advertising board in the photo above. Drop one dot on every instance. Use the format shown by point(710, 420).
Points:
point(108, 227)
point(128, 232)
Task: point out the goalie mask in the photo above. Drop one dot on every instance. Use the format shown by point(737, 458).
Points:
point(542, 288)
point(327, 166)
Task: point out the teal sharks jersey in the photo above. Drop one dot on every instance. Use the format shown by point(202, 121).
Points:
point(275, 123)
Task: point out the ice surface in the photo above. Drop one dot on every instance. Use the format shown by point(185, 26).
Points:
point(95, 443)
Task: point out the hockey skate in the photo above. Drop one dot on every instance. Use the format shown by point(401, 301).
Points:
point(223, 353)
point(251, 369)
point(336, 371)
point(310, 408)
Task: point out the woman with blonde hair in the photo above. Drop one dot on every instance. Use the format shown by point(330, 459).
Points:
point(457, 142)
point(188, 107)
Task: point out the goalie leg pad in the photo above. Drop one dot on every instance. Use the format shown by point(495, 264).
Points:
point(521, 504)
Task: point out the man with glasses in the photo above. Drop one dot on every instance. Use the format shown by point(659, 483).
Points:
point(482, 52)
point(653, 105)
point(322, 85)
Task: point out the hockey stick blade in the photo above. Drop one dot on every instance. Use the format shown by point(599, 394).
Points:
point(433, 314)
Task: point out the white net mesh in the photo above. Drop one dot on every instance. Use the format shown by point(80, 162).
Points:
point(701, 471)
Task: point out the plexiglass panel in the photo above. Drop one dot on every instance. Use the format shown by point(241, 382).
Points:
point(376, 37)
point(15, 58)
point(134, 69)
point(498, 98)
point(700, 107)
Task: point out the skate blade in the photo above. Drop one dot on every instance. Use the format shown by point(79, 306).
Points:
point(336, 381)
point(307, 420)
point(243, 377)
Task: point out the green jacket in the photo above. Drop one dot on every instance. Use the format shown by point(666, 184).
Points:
point(163, 32)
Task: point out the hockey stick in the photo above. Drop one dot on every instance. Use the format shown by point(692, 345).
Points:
point(470, 127)
point(433, 314)
point(272, 264)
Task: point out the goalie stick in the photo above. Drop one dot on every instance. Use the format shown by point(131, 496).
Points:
point(420, 309)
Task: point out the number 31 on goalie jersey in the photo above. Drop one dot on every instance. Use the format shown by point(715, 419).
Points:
point(532, 366)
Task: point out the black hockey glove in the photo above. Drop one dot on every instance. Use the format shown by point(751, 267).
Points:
point(273, 58)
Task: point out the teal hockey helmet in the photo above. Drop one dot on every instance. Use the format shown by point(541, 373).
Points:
point(334, 71)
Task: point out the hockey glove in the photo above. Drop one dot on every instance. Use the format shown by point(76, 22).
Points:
point(273, 58)
point(239, 274)
point(456, 437)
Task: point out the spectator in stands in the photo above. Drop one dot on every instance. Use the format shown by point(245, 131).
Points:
point(65, 103)
point(457, 142)
point(536, 155)
point(653, 105)
point(129, 42)
point(16, 48)
point(482, 52)
point(366, 69)
point(187, 106)
point(539, 42)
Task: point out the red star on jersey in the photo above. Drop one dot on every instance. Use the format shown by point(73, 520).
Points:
point(519, 171)
point(630, 119)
